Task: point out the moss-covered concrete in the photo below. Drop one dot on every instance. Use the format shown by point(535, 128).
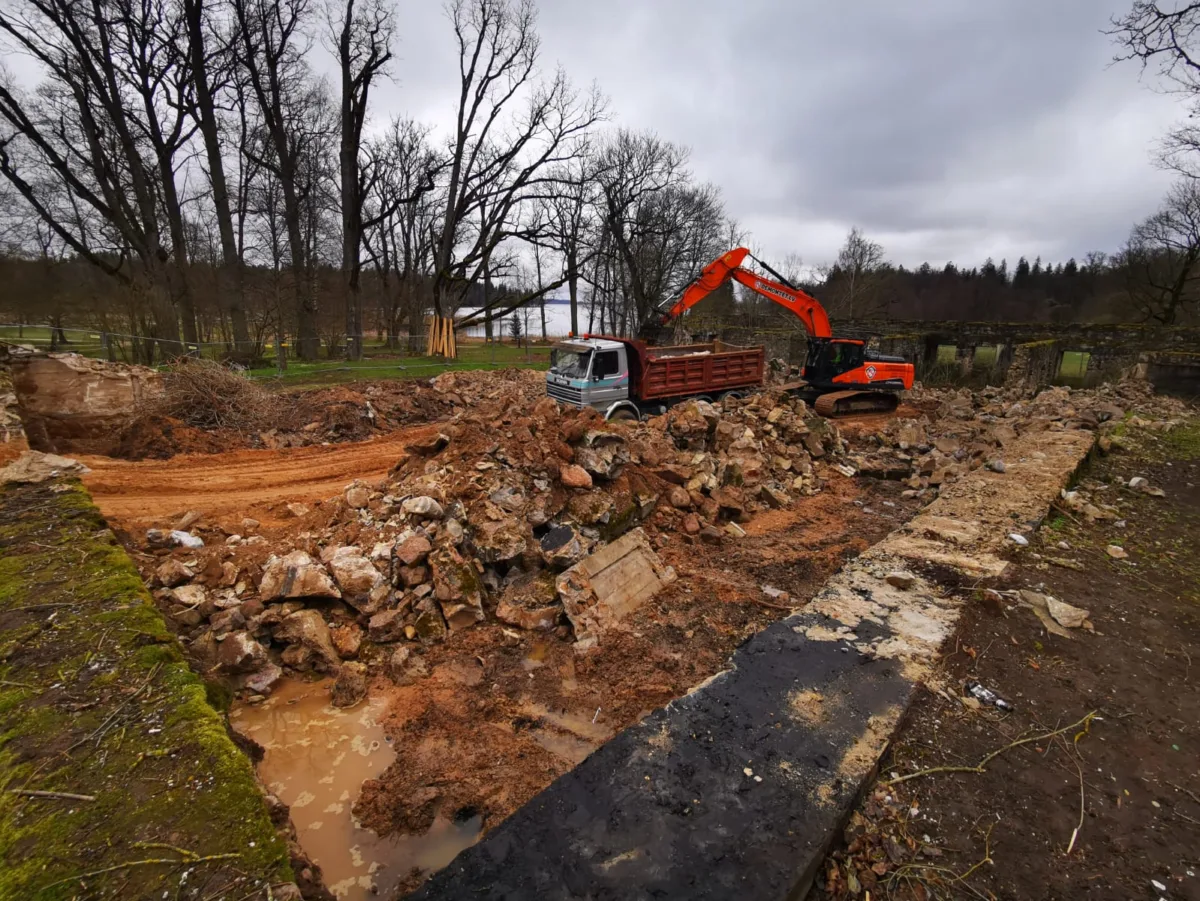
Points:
point(96, 700)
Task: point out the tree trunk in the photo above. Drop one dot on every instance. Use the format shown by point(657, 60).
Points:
point(229, 277)
point(308, 342)
point(573, 289)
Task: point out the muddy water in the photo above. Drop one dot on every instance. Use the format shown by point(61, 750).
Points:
point(316, 760)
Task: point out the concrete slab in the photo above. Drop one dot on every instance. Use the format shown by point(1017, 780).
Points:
point(607, 586)
point(738, 788)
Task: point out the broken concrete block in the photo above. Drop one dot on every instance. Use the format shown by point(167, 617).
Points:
point(227, 621)
point(386, 626)
point(612, 582)
point(603, 454)
point(561, 547)
point(573, 476)
point(457, 588)
point(411, 576)
point(307, 628)
point(239, 653)
point(296, 575)
point(679, 498)
point(427, 447)
point(357, 495)
point(191, 596)
point(413, 550)
point(346, 639)
point(350, 686)
point(496, 542)
point(264, 681)
point(174, 572)
point(354, 573)
point(531, 603)
point(430, 625)
point(425, 507)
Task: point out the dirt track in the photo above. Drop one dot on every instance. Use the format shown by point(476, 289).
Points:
point(229, 486)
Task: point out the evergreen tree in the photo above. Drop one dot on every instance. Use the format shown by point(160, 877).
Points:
point(1021, 275)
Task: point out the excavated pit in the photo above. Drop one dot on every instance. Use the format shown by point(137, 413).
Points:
point(753, 507)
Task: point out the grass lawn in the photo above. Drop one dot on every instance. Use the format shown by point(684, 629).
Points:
point(379, 361)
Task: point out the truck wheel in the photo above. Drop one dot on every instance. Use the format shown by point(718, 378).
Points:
point(733, 395)
point(624, 416)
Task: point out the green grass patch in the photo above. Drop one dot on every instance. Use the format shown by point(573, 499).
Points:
point(394, 366)
point(1183, 441)
point(96, 699)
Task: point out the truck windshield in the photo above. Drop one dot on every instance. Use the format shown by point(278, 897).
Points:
point(571, 363)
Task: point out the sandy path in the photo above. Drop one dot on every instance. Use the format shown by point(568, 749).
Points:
point(227, 487)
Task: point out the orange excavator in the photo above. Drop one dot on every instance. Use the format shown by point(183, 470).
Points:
point(841, 375)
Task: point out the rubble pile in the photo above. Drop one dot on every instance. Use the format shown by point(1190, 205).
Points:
point(498, 515)
point(963, 430)
point(350, 412)
point(484, 521)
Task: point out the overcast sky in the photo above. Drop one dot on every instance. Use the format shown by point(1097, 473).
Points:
point(945, 129)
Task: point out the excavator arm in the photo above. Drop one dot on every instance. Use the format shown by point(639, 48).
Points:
point(729, 266)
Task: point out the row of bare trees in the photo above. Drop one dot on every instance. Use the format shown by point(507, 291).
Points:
point(193, 153)
point(188, 150)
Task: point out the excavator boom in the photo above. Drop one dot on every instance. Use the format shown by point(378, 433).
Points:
point(729, 266)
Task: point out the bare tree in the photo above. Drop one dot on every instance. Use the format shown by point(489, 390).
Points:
point(511, 129)
point(1166, 38)
point(83, 152)
point(659, 227)
point(362, 32)
point(230, 282)
point(271, 50)
point(400, 222)
point(853, 281)
point(569, 211)
point(1162, 258)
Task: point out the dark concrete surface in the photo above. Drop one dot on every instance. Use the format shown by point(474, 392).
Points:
point(665, 810)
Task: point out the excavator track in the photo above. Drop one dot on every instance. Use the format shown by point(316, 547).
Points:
point(843, 403)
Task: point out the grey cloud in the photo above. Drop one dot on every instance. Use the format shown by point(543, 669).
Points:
point(946, 129)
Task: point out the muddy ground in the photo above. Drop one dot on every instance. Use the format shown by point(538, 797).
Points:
point(504, 712)
point(483, 721)
point(483, 718)
point(235, 484)
point(1106, 808)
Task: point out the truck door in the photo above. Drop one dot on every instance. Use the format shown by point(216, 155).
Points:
point(610, 378)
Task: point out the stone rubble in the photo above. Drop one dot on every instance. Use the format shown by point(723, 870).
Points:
point(481, 522)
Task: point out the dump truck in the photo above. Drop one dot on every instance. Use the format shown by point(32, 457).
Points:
point(627, 379)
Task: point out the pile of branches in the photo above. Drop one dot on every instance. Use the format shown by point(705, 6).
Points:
point(206, 395)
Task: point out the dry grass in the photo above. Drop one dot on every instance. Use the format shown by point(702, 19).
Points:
point(206, 395)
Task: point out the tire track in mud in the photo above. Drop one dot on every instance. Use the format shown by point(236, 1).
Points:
point(230, 486)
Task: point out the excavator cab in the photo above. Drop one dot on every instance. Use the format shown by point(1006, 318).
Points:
point(829, 358)
point(834, 364)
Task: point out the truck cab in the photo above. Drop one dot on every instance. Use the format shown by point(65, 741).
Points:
point(591, 372)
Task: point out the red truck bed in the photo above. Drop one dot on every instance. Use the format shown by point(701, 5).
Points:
point(690, 369)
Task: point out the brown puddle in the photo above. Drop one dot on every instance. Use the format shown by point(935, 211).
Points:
point(316, 760)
